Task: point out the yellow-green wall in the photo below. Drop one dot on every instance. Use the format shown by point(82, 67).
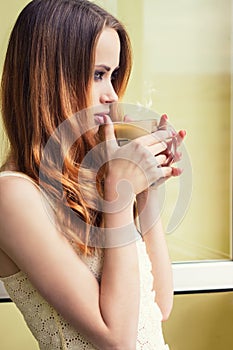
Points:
point(8, 13)
point(201, 322)
point(14, 334)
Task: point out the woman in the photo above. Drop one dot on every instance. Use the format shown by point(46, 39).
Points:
point(63, 57)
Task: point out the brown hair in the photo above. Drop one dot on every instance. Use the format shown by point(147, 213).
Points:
point(46, 79)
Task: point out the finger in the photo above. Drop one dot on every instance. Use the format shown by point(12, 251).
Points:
point(163, 122)
point(160, 159)
point(157, 148)
point(155, 137)
point(171, 172)
point(163, 135)
point(163, 172)
point(177, 157)
point(176, 142)
point(176, 171)
point(109, 130)
point(180, 137)
point(170, 143)
point(169, 160)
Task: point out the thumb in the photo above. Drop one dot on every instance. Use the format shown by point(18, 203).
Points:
point(109, 131)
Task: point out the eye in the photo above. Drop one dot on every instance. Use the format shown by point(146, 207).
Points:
point(98, 75)
point(115, 74)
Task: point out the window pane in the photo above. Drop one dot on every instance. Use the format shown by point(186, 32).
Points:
point(182, 68)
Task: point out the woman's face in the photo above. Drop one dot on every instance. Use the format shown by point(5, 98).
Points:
point(107, 58)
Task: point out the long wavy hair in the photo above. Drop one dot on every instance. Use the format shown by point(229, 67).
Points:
point(47, 75)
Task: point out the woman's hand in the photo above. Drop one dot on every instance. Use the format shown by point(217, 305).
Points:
point(148, 201)
point(140, 163)
point(172, 153)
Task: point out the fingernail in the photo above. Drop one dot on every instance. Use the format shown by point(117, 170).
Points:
point(164, 116)
point(106, 119)
point(182, 133)
point(177, 171)
point(99, 119)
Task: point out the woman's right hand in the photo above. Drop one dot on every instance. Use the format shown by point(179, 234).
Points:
point(138, 163)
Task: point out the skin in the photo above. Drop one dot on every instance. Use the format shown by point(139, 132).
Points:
point(56, 271)
point(106, 64)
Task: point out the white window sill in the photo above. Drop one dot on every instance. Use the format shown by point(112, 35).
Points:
point(203, 276)
point(193, 277)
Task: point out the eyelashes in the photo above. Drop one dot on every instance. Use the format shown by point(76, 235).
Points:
point(98, 75)
point(115, 74)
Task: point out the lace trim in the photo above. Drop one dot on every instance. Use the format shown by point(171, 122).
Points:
point(8, 279)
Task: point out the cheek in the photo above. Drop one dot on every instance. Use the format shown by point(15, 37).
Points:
point(94, 91)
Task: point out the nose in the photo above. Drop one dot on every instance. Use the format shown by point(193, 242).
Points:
point(109, 94)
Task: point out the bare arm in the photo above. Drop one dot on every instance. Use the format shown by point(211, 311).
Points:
point(157, 250)
point(106, 315)
point(121, 283)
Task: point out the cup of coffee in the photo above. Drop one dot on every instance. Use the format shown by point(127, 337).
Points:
point(127, 131)
point(133, 121)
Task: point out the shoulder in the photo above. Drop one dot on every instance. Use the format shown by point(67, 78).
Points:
point(20, 199)
point(24, 212)
point(17, 188)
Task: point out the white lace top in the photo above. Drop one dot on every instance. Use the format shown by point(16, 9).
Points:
point(53, 332)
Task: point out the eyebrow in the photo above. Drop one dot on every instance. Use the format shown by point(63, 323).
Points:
point(105, 67)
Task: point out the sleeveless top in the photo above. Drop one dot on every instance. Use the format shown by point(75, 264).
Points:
point(53, 332)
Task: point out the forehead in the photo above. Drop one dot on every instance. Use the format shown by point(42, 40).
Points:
point(108, 48)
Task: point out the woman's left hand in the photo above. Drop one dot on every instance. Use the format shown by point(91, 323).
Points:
point(172, 153)
point(173, 156)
